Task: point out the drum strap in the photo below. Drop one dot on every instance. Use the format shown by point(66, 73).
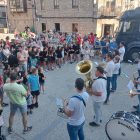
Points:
point(80, 98)
point(101, 77)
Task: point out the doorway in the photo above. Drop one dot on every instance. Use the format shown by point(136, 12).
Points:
point(44, 28)
point(57, 26)
point(108, 29)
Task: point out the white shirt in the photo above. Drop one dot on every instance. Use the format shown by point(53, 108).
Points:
point(83, 51)
point(116, 68)
point(78, 108)
point(86, 43)
point(92, 53)
point(139, 65)
point(62, 54)
point(99, 85)
point(122, 52)
point(109, 69)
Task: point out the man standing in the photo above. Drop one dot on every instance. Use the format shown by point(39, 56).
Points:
point(22, 59)
point(78, 38)
point(75, 111)
point(122, 52)
point(98, 95)
point(16, 94)
point(104, 48)
point(109, 69)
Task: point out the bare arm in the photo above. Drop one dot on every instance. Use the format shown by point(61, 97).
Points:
point(94, 93)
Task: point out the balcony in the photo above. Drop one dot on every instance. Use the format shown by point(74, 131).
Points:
point(109, 12)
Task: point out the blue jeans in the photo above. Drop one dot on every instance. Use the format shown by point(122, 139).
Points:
point(114, 81)
point(139, 102)
point(76, 131)
point(120, 69)
point(139, 71)
point(97, 111)
point(108, 87)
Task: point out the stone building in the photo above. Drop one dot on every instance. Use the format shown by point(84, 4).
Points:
point(84, 16)
point(3, 23)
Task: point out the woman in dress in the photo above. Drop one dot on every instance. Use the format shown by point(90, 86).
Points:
point(86, 57)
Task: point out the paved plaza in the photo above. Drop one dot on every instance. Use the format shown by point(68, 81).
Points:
point(60, 83)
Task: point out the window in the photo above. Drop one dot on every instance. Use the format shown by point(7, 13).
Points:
point(3, 14)
point(42, 4)
point(57, 26)
point(43, 27)
point(110, 5)
point(130, 26)
point(56, 4)
point(75, 27)
point(75, 3)
point(18, 5)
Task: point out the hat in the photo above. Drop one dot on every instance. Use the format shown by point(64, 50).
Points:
point(113, 39)
point(122, 42)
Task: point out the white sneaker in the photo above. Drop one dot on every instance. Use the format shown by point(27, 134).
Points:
point(46, 70)
point(57, 68)
point(62, 64)
point(44, 92)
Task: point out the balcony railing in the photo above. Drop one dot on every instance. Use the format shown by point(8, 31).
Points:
point(109, 12)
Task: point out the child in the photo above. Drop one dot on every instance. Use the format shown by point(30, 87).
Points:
point(33, 60)
point(33, 86)
point(29, 98)
point(8, 77)
point(82, 53)
point(62, 55)
point(41, 80)
point(92, 53)
point(59, 56)
point(86, 54)
point(54, 58)
point(4, 76)
point(115, 72)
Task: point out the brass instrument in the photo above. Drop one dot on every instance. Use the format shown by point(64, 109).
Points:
point(84, 67)
point(103, 64)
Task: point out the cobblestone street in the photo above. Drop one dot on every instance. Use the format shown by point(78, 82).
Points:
point(60, 83)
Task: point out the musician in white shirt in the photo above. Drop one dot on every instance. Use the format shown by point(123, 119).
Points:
point(115, 72)
point(109, 72)
point(122, 52)
point(98, 95)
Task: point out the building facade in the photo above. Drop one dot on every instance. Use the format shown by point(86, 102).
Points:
point(82, 16)
point(3, 23)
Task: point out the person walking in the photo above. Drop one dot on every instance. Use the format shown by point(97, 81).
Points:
point(75, 111)
point(16, 94)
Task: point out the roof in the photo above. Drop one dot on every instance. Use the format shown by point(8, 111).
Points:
point(131, 14)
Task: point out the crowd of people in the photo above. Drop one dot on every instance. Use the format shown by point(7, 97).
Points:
point(25, 61)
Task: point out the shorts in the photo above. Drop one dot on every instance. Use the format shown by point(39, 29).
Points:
point(42, 83)
point(30, 106)
point(77, 54)
point(35, 93)
point(1, 85)
point(14, 107)
point(23, 67)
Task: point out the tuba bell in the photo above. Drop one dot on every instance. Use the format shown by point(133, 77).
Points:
point(103, 64)
point(84, 67)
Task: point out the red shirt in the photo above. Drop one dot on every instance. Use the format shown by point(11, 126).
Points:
point(91, 40)
point(8, 43)
point(78, 38)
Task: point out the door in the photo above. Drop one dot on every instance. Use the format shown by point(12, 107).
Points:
point(107, 29)
point(57, 26)
point(44, 29)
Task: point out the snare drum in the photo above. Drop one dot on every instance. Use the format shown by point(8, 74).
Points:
point(123, 126)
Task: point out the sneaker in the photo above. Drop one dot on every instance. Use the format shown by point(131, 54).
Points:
point(52, 69)
point(46, 70)
point(36, 104)
point(136, 107)
point(10, 130)
point(33, 105)
point(44, 92)
point(59, 66)
point(4, 104)
point(31, 112)
point(105, 103)
point(28, 129)
point(93, 124)
point(62, 64)
point(27, 112)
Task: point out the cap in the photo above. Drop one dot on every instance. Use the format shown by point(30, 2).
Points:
point(113, 39)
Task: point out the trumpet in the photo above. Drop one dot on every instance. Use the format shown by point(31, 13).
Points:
point(103, 64)
point(84, 67)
